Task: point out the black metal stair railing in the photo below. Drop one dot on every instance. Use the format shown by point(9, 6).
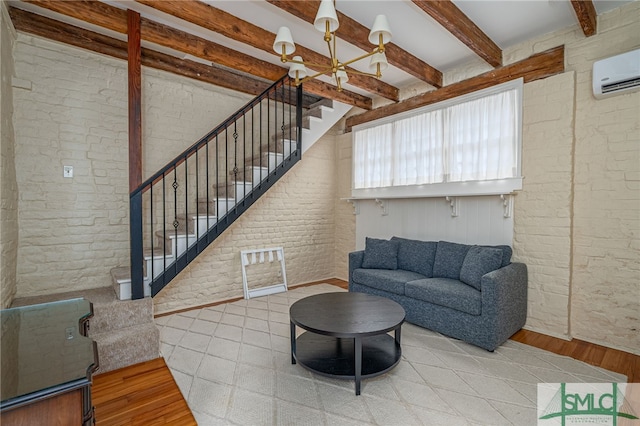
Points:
point(181, 209)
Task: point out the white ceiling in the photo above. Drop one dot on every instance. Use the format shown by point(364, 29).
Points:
point(505, 22)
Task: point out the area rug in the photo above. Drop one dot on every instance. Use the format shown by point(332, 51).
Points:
point(232, 363)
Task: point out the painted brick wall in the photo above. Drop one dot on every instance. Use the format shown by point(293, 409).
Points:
point(297, 214)
point(542, 210)
point(73, 111)
point(8, 182)
point(345, 232)
point(605, 291)
point(73, 231)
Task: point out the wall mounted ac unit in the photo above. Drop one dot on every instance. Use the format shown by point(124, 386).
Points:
point(617, 74)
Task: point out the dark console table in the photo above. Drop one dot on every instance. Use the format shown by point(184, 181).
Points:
point(47, 362)
point(346, 335)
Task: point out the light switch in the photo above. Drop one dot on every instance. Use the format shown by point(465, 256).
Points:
point(67, 171)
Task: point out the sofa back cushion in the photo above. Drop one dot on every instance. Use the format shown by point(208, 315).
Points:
point(449, 259)
point(506, 254)
point(416, 256)
point(380, 254)
point(479, 261)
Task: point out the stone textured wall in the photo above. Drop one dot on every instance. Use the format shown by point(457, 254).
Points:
point(8, 182)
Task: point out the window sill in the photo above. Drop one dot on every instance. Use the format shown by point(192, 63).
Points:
point(451, 191)
point(448, 189)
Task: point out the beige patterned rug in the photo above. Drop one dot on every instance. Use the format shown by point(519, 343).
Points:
point(233, 365)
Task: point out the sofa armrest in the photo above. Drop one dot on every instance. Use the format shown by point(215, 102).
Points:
point(355, 262)
point(504, 294)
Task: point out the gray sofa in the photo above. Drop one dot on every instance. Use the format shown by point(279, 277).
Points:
point(472, 293)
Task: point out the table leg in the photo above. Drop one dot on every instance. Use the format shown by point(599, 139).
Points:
point(398, 336)
point(293, 343)
point(358, 360)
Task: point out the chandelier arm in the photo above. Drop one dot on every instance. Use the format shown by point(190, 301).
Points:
point(318, 74)
point(366, 55)
point(368, 74)
point(309, 64)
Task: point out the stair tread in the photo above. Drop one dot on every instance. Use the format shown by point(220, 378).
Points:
point(113, 335)
point(94, 295)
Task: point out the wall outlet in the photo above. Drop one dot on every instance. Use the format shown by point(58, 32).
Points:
point(67, 171)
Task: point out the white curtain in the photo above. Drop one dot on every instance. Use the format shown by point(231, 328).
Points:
point(418, 149)
point(471, 141)
point(373, 157)
point(481, 138)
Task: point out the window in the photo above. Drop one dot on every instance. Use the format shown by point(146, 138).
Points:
point(471, 141)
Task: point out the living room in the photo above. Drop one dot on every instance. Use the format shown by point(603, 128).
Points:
point(574, 223)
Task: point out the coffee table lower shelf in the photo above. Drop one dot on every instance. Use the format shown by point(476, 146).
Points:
point(335, 357)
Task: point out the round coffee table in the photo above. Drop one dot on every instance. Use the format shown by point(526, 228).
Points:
point(346, 335)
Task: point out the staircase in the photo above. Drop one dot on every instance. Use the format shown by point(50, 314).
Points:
point(185, 206)
point(227, 198)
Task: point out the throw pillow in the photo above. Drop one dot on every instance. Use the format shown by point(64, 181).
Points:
point(479, 261)
point(380, 254)
point(449, 259)
point(506, 254)
point(416, 256)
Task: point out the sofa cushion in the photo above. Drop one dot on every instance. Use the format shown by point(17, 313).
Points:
point(416, 256)
point(384, 279)
point(380, 254)
point(446, 292)
point(449, 259)
point(477, 262)
point(506, 254)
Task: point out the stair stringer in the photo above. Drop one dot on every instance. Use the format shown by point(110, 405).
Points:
point(317, 128)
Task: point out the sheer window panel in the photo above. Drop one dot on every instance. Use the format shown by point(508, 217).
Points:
point(372, 157)
point(481, 138)
point(418, 149)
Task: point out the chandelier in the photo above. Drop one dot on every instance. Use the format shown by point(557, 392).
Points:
point(327, 22)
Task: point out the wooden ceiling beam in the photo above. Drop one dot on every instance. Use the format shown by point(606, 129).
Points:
point(464, 29)
point(89, 40)
point(211, 18)
point(115, 19)
point(538, 66)
point(587, 16)
point(357, 34)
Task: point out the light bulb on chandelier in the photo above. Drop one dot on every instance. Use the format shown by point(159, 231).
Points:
point(327, 22)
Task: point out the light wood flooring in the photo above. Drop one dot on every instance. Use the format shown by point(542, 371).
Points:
point(147, 394)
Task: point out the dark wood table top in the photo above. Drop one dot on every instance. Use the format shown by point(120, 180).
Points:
point(346, 314)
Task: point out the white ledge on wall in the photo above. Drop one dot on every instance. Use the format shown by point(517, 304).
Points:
point(437, 190)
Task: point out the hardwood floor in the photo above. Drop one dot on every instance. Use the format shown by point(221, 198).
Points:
point(142, 394)
point(147, 394)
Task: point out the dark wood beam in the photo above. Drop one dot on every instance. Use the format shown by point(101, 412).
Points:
point(457, 23)
point(357, 34)
point(587, 16)
point(211, 18)
point(79, 37)
point(538, 66)
point(134, 73)
point(115, 19)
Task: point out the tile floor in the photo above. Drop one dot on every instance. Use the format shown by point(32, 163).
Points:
point(232, 363)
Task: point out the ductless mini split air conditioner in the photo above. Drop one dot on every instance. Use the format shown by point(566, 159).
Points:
point(617, 74)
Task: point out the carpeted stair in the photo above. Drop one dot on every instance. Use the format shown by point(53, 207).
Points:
point(124, 330)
